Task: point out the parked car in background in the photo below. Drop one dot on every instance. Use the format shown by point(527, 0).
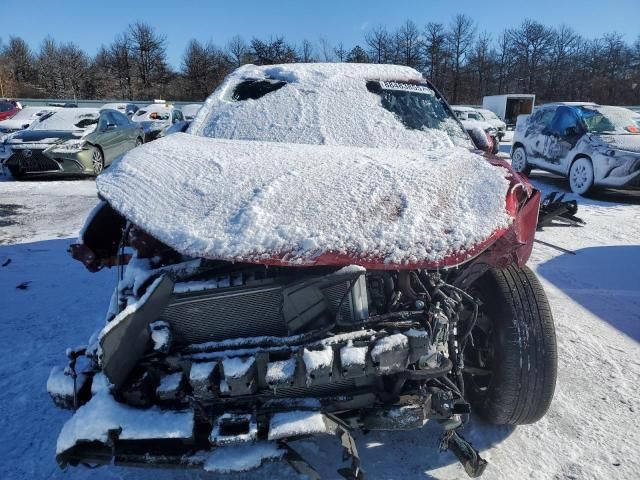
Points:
point(70, 141)
point(593, 145)
point(323, 250)
point(63, 104)
point(129, 109)
point(23, 119)
point(8, 108)
point(189, 111)
point(156, 117)
point(473, 123)
point(492, 119)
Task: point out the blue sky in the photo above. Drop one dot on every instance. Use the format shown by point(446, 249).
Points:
point(92, 23)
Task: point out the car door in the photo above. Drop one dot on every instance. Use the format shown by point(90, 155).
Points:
point(562, 135)
point(127, 133)
point(108, 136)
point(535, 135)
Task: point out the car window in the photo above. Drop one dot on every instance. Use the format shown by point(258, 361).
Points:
point(119, 119)
point(544, 116)
point(564, 118)
point(418, 107)
point(177, 116)
point(6, 107)
point(474, 116)
point(255, 89)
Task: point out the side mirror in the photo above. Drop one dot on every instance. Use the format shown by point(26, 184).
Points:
point(110, 126)
point(571, 131)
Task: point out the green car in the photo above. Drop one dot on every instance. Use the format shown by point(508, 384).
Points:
point(70, 141)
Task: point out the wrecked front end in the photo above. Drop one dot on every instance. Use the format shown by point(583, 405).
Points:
point(219, 365)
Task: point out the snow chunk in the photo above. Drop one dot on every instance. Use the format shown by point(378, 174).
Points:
point(387, 344)
point(102, 413)
point(194, 286)
point(241, 458)
point(251, 201)
point(289, 424)
point(280, 370)
point(170, 383)
point(315, 359)
point(350, 355)
point(237, 367)
point(201, 371)
point(160, 335)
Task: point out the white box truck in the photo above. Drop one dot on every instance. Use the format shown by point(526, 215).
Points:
point(509, 106)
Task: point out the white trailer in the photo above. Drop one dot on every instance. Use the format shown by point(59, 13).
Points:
point(509, 106)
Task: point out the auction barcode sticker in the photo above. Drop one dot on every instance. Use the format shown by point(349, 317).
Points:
point(407, 87)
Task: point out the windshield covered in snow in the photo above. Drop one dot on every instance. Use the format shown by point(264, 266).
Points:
point(67, 119)
point(419, 108)
point(616, 120)
point(28, 113)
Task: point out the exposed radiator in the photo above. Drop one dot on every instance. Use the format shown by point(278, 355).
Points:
point(236, 312)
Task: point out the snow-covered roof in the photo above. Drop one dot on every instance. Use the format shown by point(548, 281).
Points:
point(319, 104)
point(68, 119)
point(251, 201)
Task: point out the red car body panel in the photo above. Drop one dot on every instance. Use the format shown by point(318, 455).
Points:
point(9, 113)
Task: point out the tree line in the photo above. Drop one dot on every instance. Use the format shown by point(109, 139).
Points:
point(555, 63)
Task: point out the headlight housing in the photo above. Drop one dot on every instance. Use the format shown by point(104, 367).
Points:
point(70, 146)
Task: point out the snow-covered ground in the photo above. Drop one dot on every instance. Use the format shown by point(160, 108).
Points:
point(591, 431)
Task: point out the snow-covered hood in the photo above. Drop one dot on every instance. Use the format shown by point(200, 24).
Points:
point(629, 143)
point(45, 137)
point(13, 124)
point(280, 203)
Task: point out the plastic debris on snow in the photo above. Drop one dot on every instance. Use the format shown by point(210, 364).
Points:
point(295, 423)
point(234, 200)
point(236, 367)
point(160, 335)
point(241, 458)
point(102, 414)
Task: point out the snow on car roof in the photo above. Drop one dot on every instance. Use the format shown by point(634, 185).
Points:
point(251, 201)
point(67, 119)
point(319, 104)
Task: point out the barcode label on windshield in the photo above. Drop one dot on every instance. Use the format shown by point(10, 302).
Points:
point(407, 87)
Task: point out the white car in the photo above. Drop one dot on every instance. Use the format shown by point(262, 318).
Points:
point(157, 117)
point(23, 119)
point(473, 123)
point(592, 145)
point(129, 109)
point(189, 111)
point(491, 118)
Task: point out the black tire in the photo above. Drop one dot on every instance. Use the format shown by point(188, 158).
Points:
point(515, 343)
point(519, 161)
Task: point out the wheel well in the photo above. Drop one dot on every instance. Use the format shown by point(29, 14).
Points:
point(516, 145)
point(578, 156)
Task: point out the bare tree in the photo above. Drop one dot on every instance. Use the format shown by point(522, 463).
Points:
point(531, 44)
point(435, 52)
point(378, 40)
point(122, 64)
point(306, 53)
point(326, 49)
point(459, 40)
point(19, 59)
point(203, 68)
point(273, 51)
point(357, 55)
point(340, 52)
point(237, 50)
point(408, 46)
point(148, 50)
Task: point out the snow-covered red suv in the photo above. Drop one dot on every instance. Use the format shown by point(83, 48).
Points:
point(323, 251)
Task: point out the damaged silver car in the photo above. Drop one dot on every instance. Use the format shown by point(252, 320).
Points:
point(323, 251)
